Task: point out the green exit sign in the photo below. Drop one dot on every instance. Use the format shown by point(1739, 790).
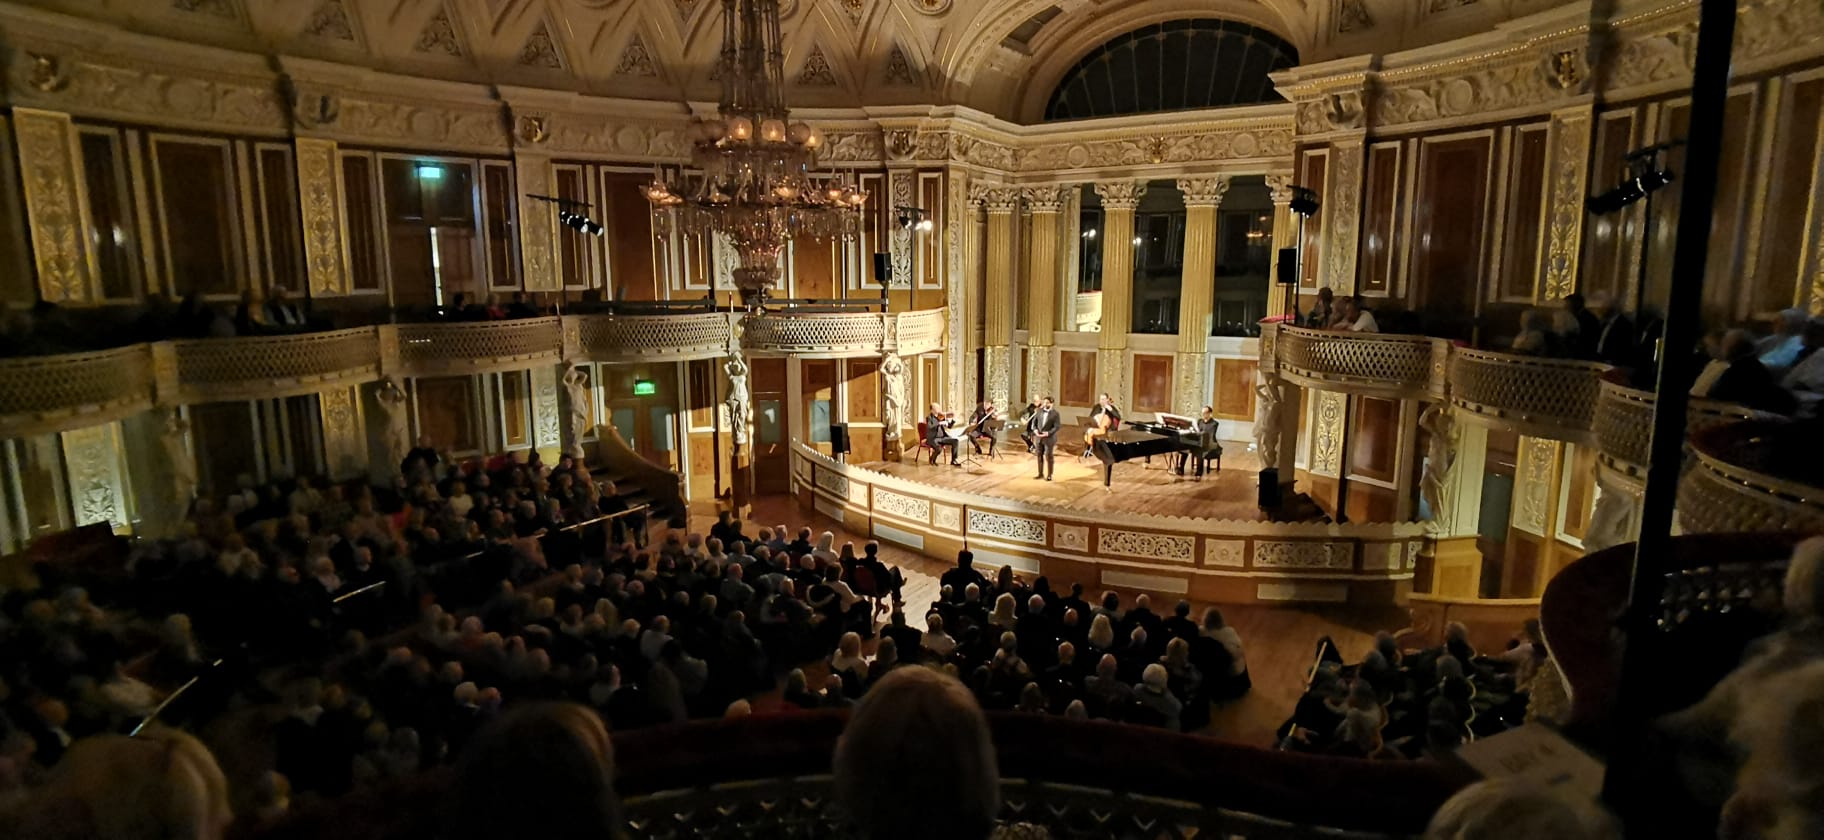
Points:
point(645, 387)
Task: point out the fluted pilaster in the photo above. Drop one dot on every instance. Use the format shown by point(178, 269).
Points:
point(1119, 199)
point(1285, 235)
point(1043, 283)
point(998, 291)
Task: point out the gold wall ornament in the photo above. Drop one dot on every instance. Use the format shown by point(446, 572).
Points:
point(1342, 218)
point(1205, 191)
point(901, 143)
point(538, 229)
point(47, 74)
point(1327, 439)
point(1568, 170)
point(534, 128)
point(1565, 70)
point(321, 213)
point(344, 433)
point(1536, 486)
point(547, 414)
point(91, 460)
point(56, 204)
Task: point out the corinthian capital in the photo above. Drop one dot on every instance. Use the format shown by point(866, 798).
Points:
point(1120, 195)
point(1047, 199)
point(1280, 187)
point(995, 198)
point(1204, 192)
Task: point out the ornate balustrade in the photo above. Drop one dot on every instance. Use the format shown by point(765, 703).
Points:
point(1550, 398)
point(840, 334)
point(478, 347)
point(1624, 422)
point(658, 337)
point(1756, 475)
point(920, 332)
point(1397, 366)
point(220, 369)
point(41, 394)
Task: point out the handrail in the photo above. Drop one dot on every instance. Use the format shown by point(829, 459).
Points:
point(1368, 363)
point(368, 588)
point(164, 704)
point(1624, 421)
point(1552, 398)
point(1730, 487)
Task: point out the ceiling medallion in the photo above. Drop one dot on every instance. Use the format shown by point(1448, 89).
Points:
point(753, 177)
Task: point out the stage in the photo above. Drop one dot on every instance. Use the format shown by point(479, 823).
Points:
point(1137, 488)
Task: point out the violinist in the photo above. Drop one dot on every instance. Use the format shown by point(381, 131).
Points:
point(936, 437)
point(1104, 418)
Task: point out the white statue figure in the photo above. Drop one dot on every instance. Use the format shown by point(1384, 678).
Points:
point(893, 376)
point(1440, 456)
point(1266, 424)
point(581, 409)
point(392, 400)
point(738, 401)
point(177, 451)
point(1612, 521)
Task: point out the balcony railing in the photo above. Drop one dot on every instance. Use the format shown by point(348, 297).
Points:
point(1624, 422)
point(1756, 475)
point(478, 347)
point(836, 334)
point(1373, 364)
point(1553, 398)
point(221, 369)
point(606, 337)
point(40, 394)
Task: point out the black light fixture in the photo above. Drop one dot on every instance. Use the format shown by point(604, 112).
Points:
point(1645, 176)
point(915, 218)
point(1304, 201)
point(569, 217)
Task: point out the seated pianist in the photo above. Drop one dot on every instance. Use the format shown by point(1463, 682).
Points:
point(1204, 448)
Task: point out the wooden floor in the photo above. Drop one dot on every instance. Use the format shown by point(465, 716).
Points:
point(1280, 640)
point(1138, 487)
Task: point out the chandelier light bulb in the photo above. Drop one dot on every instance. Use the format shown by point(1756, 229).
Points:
point(772, 130)
point(786, 191)
point(798, 133)
point(835, 195)
point(740, 129)
point(858, 198)
point(814, 140)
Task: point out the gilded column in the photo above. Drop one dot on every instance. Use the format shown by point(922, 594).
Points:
point(320, 211)
point(1119, 199)
point(1042, 283)
point(1567, 168)
point(998, 292)
point(1285, 235)
point(1197, 294)
point(56, 204)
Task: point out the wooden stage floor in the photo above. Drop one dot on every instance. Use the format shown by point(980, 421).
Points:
point(1137, 488)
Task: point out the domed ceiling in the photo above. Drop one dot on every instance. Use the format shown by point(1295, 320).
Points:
point(1001, 56)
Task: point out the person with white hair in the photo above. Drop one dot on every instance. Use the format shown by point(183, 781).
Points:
point(916, 761)
point(1780, 351)
point(1154, 693)
point(1515, 809)
point(1779, 791)
point(160, 783)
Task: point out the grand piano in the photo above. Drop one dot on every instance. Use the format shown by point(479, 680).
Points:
point(1170, 434)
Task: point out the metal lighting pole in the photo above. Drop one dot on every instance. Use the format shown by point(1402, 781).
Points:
point(1625, 785)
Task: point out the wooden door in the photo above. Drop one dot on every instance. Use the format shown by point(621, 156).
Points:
point(772, 427)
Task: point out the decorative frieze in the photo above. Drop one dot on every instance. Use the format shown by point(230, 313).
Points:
point(1327, 556)
point(55, 202)
point(834, 483)
point(1070, 537)
point(902, 506)
point(1568, 168)
point(1172, 548)
point(1228, 554)
point(1001, 526)
point(320, 210)
point(1147, 147)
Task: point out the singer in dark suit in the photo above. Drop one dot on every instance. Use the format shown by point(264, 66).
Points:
point(1043, 426)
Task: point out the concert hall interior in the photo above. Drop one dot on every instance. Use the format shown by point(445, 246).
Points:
point(659, 418)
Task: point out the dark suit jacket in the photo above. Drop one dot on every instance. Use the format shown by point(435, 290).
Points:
point(1748, 382)
point(1045, 421)
point(934, 429)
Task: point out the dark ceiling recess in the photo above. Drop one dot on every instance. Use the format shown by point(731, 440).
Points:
point(1173, 66)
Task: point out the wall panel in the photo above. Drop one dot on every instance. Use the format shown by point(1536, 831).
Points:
point(1077, 378)
point(1450, 230)
point(1381, 208)
point(1152, 383)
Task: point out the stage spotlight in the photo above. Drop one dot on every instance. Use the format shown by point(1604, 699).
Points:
point(1655, 179)
point(926, 226)
point(1624, 194)
point(1304, 202)
point(592, 227)
point(905, 221)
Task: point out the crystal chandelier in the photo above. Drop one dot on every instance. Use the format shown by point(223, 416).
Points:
point(752, 179)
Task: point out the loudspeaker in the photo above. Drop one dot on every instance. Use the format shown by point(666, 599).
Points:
point(883, 268)
point(1288, 266)
point(839, 438)
point(1269, 488)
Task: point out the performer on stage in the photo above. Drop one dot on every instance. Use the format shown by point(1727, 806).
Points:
point(935, 424)
point(1206, 442)
point(977, 430)
point(1042, 430)
point(1102, 420)
point(1026, 418)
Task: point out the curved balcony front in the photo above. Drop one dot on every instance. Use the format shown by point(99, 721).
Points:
point(43, 394)
point(1624, 423)
point(608, 338)
point(1545, 398)
point(260, 367)
point(1392, 366)
point(831, 335)
point(1755, 475)
point(459, 349)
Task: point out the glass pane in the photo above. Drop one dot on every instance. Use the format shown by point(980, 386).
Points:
point(623, 423)
point(279, 202)
point(768, 429)
point(661, 427)
point(363, 220)
point(197, 211)
point(820, 421)
point(110, 229)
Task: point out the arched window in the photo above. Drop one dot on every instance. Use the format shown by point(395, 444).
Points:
point(1171, 66)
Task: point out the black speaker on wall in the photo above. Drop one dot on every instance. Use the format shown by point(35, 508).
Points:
point(1270, 496)
point(883, 268)
point(839, 438)
point(1288, 266)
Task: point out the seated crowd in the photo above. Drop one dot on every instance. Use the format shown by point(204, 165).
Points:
point(1397, 703)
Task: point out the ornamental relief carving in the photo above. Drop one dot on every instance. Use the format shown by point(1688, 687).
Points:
point(1569, 181)
point(834, 483)
point(900, 187)
point(52, 175)
point(1555, 75)
point(1169, 547)
point(1339, 111)
point(547, 415)
point(1015, 528)
point(1327, 443)
point(320, 206)
point(1302, 555)
point(1217, 145)
point(946, 517)
point(465, 127)
point(905, 507)
point(82, 86)
point(1229, 554)
point(92, 463)
point(866, 146)
point(1345, 216)
point(983, 153)
point(1070, 537)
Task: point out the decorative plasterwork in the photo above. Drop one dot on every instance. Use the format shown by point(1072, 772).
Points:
point(537, 222)
point(1340, 110)
point(1327, 439)
point(1275, 554)
point(1070, 537)
point(1204, 192)
point(547, 414)
point(320, 209)
point(899, 71)
point(636, 60)
point(414, 113)
point(1015, 528)
point(91, 459)
point(901, 184)
point(1145, 146)
point(846, 146)
point(331, 21)
point(834, 483)
point(1187, 393)
point(1569, 175)
point(995, 198)
point(55, 204)
point(997, 371)
point(1352, 16)
point(118, 86)
point(1228, 554)
point(344, 435)
point(602, 135)
point(1342, 218)
point(905, 507)
point(1046, 199)
point(1172, 548)
point(816, 71)
point(1534, 485)
point(439, 36)
point(946, 517)
point(1527, 79)
point(541, 50)
point(1124, 194)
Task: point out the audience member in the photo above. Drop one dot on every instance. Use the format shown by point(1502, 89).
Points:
point(548, 765)
point(916, 761)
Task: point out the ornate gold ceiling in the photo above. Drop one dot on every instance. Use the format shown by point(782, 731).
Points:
point(1000, 56)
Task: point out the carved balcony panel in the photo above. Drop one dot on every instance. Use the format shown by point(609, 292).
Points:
point(613, 338)
point(42, 394)
point(831, 336)
point(261, 367)
point(1548, 398)
point(1756, 475)
point(479, 347)
point(921, 332)
point(1375, 365)
point(1624, 422)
